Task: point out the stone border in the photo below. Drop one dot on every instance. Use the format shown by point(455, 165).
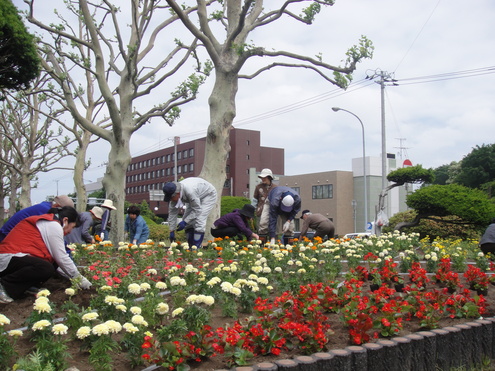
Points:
point(464, 345)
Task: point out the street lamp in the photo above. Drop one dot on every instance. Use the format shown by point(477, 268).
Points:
point(335, 109)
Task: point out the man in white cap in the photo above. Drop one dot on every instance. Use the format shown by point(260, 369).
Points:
point(285, 203)
point(107, 206)
point(260, 198)
point(82, 233)
point(198, 197)
point(38, 209)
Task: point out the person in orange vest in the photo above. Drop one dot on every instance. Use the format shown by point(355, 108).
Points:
point(32, 252)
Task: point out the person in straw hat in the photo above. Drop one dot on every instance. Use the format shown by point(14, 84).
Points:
point(107, 206)
point(235, 224)
point(82, 233)
point(38, 209)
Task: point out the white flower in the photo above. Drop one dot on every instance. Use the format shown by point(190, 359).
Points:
point(101, 329)
point(135, 310)
point(134, 288)
point(130, 328)
point(83, 332)
point(139, 320)
point(162, 308)
point(91, 316)
point(177, 312)
point(161, 285)
point(40, 325)
point(145, 286)
point(121, 307)
point(15, 333)
point(4, 320)
point(59, 329)
point(42, 306)
point(152, 271)
point(70, 291)
point(113, 326)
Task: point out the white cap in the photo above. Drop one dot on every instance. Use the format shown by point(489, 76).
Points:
point(287, 203)
point(265, 172)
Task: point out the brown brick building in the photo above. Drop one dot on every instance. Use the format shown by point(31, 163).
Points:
point(147, 173)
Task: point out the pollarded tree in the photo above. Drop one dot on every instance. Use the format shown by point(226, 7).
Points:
point(36, 144)
point(471, 206)
point(19, 61)
point(412, 175)
point(128, 70)
point(227, 46)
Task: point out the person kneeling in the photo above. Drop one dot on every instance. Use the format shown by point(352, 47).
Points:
point(235, 224)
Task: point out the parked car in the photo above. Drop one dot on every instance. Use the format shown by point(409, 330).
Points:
point(357, 235)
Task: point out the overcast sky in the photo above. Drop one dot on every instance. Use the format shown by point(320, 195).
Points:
point(437, 113)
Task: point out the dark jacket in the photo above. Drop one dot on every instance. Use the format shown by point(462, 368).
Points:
point(275, 198)
point(234, 219)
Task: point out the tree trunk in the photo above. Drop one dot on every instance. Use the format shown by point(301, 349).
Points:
point(222, 113)
point(25, 196)
point(79, 167)
point(114, 183)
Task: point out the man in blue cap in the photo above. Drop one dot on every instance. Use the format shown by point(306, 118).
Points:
point(198, 197)
point(284, 203)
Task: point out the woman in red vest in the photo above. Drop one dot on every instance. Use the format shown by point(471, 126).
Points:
point(32, 251)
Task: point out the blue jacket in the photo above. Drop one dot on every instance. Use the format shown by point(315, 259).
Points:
point(275, 198)
point(137, 228)
point(234, 219)
point(38, 209)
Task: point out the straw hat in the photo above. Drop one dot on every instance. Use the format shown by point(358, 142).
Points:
point(108, 204)
point(97, 212)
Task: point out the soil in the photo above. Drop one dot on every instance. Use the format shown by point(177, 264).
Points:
point(19, 310)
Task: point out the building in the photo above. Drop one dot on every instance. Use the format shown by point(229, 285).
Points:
point(146, 174)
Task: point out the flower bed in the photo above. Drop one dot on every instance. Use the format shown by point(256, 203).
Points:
point(169, 307)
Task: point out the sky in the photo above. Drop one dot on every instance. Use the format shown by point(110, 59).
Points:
point(441, 52)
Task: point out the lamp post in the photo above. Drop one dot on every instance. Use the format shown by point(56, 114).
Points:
point(335, 109)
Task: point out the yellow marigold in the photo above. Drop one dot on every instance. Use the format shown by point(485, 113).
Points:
point(59, 329)
point(83, 332)
point(40, 325)
point(15, 333)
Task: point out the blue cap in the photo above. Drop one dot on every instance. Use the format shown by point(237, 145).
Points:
point(169, 190)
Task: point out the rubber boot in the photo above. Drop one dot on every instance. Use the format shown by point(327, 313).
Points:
point(198, 239)
point(190, 237)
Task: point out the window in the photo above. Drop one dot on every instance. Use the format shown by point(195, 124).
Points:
point(168, 171)
point(227, 169)
point(179, 155)
point(191, 167)
point(247, 157)
point(297, 189)
point(323, 191)
point(226, 184)
point(247, 142)
point(179, 169)
point(191, 152)
point(168, 158)
point(184, 169)
point(184, 153)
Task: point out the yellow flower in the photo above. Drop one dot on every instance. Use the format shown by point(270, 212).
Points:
point(161, 285)
point(139, 320)
point(121, 307)
point(177, 312)
point(59, 329)
point(130, 328)
point(42, 306)
point(145, 286)
point(113, 326)
point(70, 291)
point(43, 292)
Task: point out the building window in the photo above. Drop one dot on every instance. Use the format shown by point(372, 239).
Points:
point(191, 152)
point(179, 155)
point(247, 142)
point(247, 157)
point(179, 169)
point(226, 184)
point(168, 158)
point(168, 171)
point(191, 167)
point(184, 153)
point(323, 191)
point(184, 169)
point(297, 189)
point(227, 169)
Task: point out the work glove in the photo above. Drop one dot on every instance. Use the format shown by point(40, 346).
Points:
point(172, 236)
point(272, 241)
point(181, 225)
point(83, 282)
point(286, 226)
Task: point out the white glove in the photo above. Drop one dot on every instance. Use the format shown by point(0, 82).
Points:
point(286, 226)
point(272, 241)
point(83, 283)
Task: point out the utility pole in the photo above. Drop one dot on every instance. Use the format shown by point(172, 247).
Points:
point(176, 142)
